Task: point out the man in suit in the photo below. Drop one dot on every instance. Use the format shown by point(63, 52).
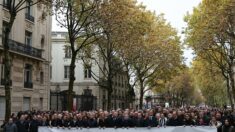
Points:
point(151, 120)
point(139, 121)
point(22, 125)
point(115, 121)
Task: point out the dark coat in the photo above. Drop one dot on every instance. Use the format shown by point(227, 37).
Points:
point(101, 123)
point(174, 122)
point(10, 127)
point(127, 123)
point(34, 126)
point(92, 123)
point(116, 122)
point(46, 123)
point(188, 122)
point(151, 121)
point(22, 126)
point(139, 122)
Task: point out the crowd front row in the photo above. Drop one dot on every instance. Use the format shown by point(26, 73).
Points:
point(30, 121)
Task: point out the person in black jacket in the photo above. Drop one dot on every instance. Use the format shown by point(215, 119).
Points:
point(101, 120)
point(115, 121)
point(139, 122)
point(151, 120)
point(127, 121)
point(34, 124)
point(65, 121)
point(187, 121)
point(174, 121)
point(92, 122)
point(10, 126)
point(79, 122)
point(73, 121)
point(44, 121)
point(227, 127)
point(22, 125)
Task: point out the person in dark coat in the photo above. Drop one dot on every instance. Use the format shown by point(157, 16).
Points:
point(174, 121)
point(92, 122)
point(107, 120)
point(187, 121)
point(10, 126)
point(127, 121)
point(65, 122)
point(79, 122)
point(101, 120)
point(22, 125)
point(139, 122)
point(73, 122)
point(34, 124)
point(54, 121)
point(44, 122)
point(116, 121)
point(227, 127)
point(59, 122)
point(151, 120)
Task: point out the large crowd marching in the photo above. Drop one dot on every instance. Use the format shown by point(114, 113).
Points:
point(29, 121)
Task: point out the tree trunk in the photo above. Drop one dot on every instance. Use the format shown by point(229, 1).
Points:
point(231, 77)
point(110, 91)
point(229, 94)
point(71, 82)
point(141, 94)
point(7, 65)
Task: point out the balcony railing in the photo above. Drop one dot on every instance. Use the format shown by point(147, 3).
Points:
point(3, 82)
point(24, 49)
point(29, 17)
point(28, 85)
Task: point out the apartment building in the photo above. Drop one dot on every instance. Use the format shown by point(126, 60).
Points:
point(30, 52)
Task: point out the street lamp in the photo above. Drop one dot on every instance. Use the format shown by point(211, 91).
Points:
point(57, 96)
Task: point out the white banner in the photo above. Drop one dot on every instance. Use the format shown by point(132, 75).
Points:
point(167, 129)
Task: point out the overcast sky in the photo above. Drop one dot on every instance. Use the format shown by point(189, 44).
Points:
point(174, 11)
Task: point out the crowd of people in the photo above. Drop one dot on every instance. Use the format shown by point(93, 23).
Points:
point(29, 121)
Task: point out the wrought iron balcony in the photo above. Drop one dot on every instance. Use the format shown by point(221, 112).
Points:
point(25, 49)
point(3, 82)
point(28, 84)
point(29, 17)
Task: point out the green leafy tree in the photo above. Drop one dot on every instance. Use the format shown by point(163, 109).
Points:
point(77, 17)
point(210, 33)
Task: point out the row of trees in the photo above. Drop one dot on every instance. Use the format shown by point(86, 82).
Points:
point(128, 37)
point(210, 33)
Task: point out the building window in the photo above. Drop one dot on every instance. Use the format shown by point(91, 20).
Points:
point(29, 11)
point(42, 41)
point(41, 77)
point(28, 76)
point(68, 53)
point(2, 74)
point(28, 38)
point(4, 28)
point(50, 72)
point(2, 107)
point(41, 104)
point(66, 72)
point(26, 103)
point(87, 72)
point(6, 3)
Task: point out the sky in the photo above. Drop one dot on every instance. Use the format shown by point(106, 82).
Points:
point(174, 11)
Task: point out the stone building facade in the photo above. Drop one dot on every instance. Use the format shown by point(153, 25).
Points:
point(30, 51)
point(84, 81)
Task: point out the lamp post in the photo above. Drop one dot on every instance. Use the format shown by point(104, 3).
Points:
point(57, 96)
